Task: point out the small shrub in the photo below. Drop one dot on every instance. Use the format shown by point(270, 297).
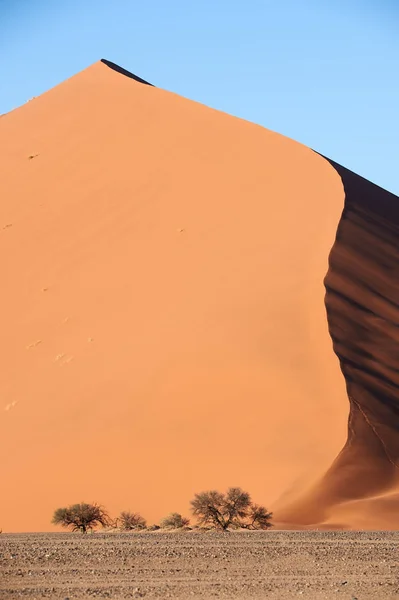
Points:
point(129, 521)
point(81, 517)
point(174, 521)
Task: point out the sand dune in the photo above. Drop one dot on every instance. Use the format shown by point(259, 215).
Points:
point(163, 317)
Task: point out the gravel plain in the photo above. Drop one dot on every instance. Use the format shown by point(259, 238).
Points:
point(193, 564)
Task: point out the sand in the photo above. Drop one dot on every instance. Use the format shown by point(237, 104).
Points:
point(164, 329)
point(277, 565)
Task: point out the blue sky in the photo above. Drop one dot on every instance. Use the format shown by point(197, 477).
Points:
point(324, 72)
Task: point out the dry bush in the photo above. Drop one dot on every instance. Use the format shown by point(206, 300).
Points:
point(129, 521)
point(232, 509)
point(81, 517)
point(174, 521)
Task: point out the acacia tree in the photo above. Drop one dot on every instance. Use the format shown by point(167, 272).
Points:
point(258, 518)
point(81, 517)
point(232, 509)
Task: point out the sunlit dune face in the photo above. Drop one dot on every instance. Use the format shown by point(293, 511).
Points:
point(164, 327)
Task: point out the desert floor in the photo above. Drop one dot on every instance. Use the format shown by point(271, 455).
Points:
point(277, 564)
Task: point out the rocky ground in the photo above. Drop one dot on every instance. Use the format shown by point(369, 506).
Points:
point(251, 565)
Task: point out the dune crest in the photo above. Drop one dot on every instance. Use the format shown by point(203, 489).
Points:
point(163, 312)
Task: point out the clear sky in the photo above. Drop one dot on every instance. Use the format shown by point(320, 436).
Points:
point(324, 72)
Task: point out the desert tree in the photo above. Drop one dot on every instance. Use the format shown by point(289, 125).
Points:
point(81, 517)
point(232, 509)
point(129, 521)
point(221, 510)
point(258, 518)
point(208, 508)
point(174, 521)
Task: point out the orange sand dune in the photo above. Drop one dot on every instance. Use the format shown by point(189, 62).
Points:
point(163, 317)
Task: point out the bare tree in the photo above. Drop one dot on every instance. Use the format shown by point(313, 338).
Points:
point(208, 507)
point(81, 517)
point(259, 518)
point(129, 521)
point(221, 510)
point(233, 509)
point(174, 521)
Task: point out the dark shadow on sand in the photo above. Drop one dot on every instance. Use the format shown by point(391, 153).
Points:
point(122, 71)
point(362, 302)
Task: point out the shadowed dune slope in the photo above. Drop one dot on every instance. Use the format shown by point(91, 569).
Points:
point(362, 299)
point(362, 309)
point(164, 327)
point(123, 71)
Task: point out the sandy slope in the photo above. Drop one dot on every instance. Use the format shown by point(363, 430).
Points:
point(163, 320)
